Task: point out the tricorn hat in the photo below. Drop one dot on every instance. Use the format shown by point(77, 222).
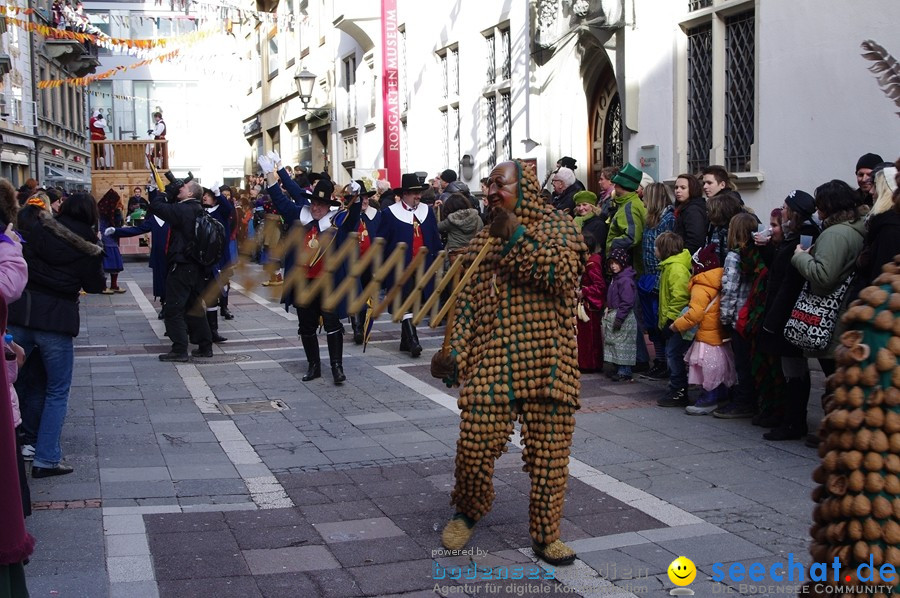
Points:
point(363, 191)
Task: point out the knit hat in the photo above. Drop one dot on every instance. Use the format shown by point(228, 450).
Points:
point(869, 160)
point(585, 197)
point(802, 203)
point(705, 259)
point(448, 176)
point(646, 180)
point(628, 177)
point(565, 175)
point(620, 256)
point(567, 162)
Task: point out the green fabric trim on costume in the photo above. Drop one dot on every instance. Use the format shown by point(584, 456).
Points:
point(551, 274)
point(518, 234)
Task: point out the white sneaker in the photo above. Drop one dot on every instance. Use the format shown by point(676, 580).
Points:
point(700, 409)
point(28, 452)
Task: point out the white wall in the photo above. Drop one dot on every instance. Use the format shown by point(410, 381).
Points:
point(820, 108)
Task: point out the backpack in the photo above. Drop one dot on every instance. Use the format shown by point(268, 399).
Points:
point(208, 245)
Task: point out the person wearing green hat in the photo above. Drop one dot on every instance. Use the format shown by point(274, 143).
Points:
point(626, 227)
point(586, 218)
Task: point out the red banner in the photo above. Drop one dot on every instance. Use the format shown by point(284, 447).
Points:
point(390, 77)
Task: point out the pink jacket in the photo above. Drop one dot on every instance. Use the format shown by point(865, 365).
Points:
point(13, 271)
point(13, 278)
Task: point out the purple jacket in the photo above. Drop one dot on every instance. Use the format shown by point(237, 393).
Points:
point(620, 294)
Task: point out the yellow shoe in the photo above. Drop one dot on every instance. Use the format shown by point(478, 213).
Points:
point(456, 534)
point(555, 553)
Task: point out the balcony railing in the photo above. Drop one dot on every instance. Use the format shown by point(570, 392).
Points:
point(129, 156)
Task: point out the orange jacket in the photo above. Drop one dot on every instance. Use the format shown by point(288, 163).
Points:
point(704, 288)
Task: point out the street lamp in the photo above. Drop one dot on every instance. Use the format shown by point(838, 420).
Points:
point(305, 82)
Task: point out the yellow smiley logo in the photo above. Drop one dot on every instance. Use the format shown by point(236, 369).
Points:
point(682, 571)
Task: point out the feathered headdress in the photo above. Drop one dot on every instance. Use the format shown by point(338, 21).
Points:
point(886, 69)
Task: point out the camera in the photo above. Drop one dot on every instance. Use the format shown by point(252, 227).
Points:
point(175, 185)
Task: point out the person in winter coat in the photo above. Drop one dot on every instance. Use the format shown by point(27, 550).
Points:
point(710, 361)
point(736, 283)
point(159, 232)
point(588, 218)
point(674, 278)
point(619, 323)
point(721, 209)
point(785, 286)
point(691, 222)
point(110, 209)
point(223, 211)
point(825, 266)
point(460, 223)
point(593, 299)
point(660, 219)
point(16, 544)
point(63, 258)
point(882, 230)
point(564, 190)
point(626, 228)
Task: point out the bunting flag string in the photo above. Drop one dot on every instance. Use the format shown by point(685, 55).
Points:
point(117, 43)
point(153, 101)
point(82, 81)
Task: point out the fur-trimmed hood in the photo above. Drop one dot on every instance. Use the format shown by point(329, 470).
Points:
point(63, 232)
point(9, 204)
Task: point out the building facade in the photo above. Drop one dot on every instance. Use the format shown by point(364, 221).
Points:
point(777, 93)
point(44, 132)
point(197, 92)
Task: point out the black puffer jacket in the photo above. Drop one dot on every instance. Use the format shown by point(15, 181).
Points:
point(181, 217)
point(63, 258)
point(691, 223)
point(782, 290)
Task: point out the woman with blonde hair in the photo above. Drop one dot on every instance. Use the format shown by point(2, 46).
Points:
point(660, 219)
point(882, 228)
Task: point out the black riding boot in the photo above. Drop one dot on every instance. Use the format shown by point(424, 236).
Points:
point(415, 349)
point(311, 348)
point(404, 337)
point(213, 318)
point(223, 307)
point(356, 325)
point(335, 354)
point(793, 426)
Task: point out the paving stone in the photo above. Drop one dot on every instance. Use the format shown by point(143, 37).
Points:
point(127, 545)
point(220, 587)
point(134, 589)
point(209, 487)
point(199, 543)
point(395, 577)
point(382, 550)
point(129, 568)
point(360, 529)
point(133, 474)
point(342, 511)
point(725, 548)
point(213, 564)
point(202, 472)
point(305, 480)
point(289, 560)
point(286, 585)
point(357, 455)
point(137, 489)
point(184, 522)
point(88, 582)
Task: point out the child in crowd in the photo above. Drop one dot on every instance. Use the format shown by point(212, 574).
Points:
point(110, 209)
point(619, 323)
point(593, 297)
point(710, 362)
point(674, 277)
point(737, 279)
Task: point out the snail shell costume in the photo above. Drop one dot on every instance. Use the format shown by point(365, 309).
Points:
point(857, 512)
point(515, 348)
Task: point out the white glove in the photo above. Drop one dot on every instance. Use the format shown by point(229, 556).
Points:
point(152, 186)
point(266, 164)
point(109, 231)
point(276, 159)
point(354, 187)
point(215, 188)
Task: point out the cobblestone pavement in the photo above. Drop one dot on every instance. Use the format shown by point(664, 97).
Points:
point(231, 477)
